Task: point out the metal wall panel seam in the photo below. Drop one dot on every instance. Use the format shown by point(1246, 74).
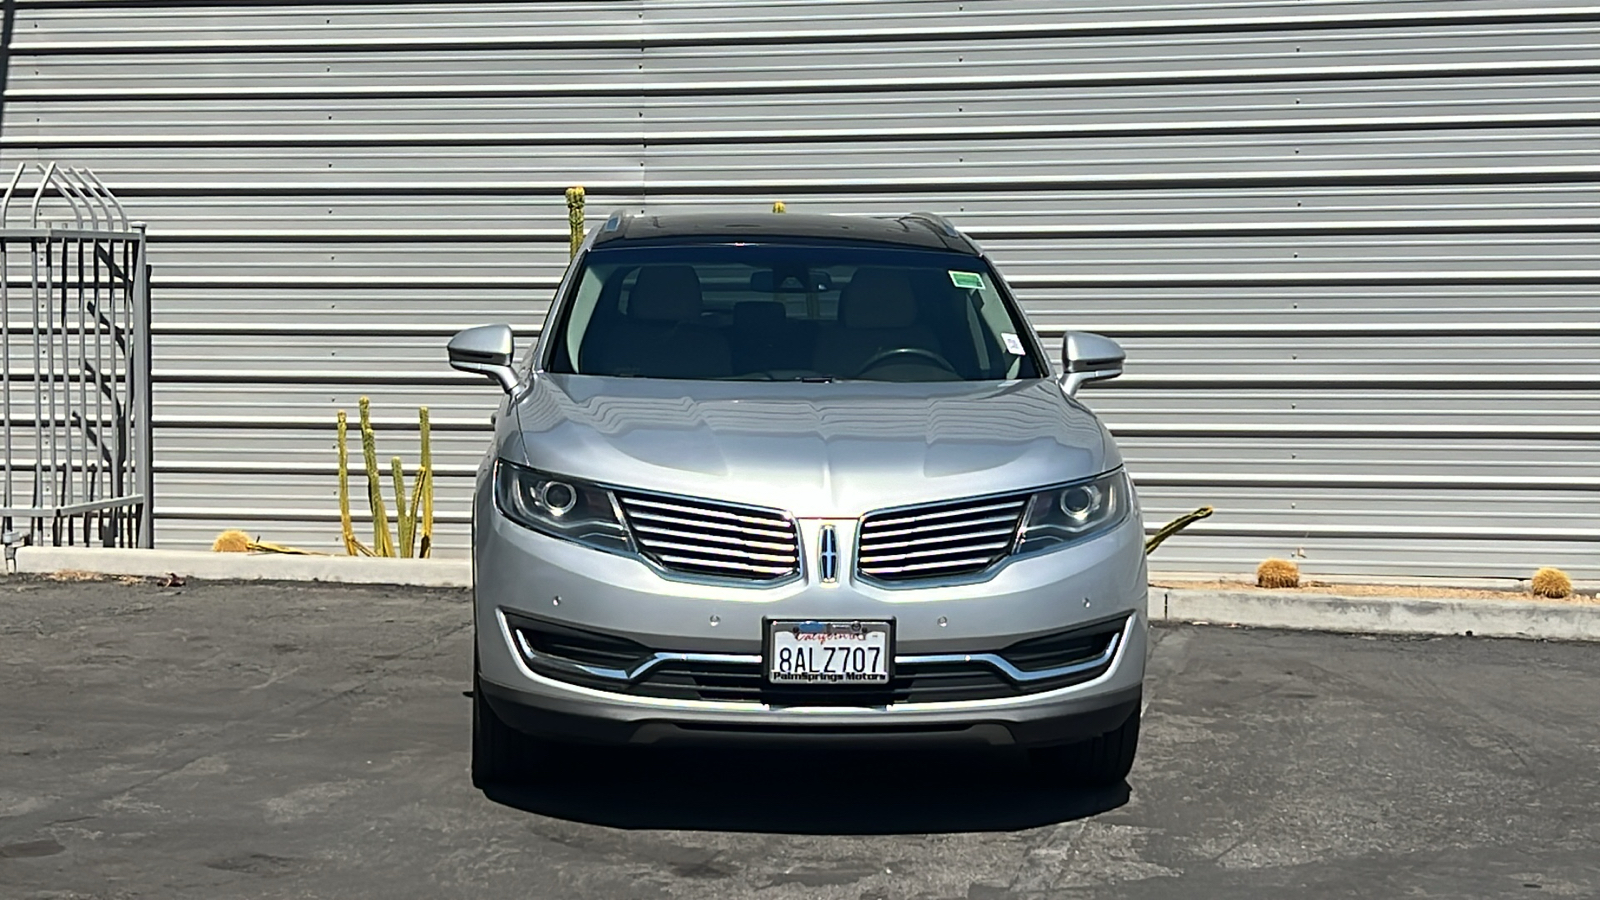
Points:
point(898, 84)
point(726, 36)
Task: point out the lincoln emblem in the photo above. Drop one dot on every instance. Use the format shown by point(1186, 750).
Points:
point(828, 555)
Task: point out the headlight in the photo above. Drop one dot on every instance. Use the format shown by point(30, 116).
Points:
point(1073, 512)
point(561, 507)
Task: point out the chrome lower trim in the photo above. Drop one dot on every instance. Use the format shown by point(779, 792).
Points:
point(1000, 663)
point(1021, 676)
point(624, 675)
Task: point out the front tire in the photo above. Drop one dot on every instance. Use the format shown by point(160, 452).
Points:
point(1098, 762)
point(501, 755)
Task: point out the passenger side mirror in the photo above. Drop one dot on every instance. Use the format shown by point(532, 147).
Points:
point(1088, 357)
point(486, 350)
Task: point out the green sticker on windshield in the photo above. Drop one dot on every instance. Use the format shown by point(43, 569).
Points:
point(972, 281)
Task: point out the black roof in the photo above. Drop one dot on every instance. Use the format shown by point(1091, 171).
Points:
point(922, 230)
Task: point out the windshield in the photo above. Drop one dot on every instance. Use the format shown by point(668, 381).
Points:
point(784, 312)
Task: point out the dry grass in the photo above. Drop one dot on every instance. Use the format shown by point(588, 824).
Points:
point(75, 575)
point(1372, 590)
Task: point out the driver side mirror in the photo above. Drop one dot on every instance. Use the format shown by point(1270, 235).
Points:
point(1088, 357)
point(485, 350)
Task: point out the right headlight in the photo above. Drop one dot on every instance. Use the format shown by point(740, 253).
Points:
point(1075, 512)
point(561, 507)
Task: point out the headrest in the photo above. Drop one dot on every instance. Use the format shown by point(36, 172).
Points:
point(877, 298)
point(666, 294)
point(759, 317)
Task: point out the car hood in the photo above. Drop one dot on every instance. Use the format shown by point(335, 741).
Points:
point(815, 450)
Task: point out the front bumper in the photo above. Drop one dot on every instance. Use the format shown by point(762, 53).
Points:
point(534, 577)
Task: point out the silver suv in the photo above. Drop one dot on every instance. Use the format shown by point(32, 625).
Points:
point(800, 478)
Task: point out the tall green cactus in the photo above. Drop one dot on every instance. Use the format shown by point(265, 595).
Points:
point(413, 510)
point(382, 541)
point(575, 201)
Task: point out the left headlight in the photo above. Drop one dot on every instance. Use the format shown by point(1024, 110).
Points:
point(561, 507)
point(1074, 512)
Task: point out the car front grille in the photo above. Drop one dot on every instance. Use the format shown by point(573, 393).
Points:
point(939, 540)
point(718, 540)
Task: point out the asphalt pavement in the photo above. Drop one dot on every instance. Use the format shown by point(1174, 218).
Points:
point(256, 740)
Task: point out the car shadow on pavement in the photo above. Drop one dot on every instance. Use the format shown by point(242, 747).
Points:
point(832, 791)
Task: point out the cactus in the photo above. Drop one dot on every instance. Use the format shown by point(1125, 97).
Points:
point(422, 496)
point(413, 511)
point(402, 510)
point(352, 547)
point(382, 541)
point(1173, 527)
point(1551, 583)
point(1277, 573)
point(575, 218)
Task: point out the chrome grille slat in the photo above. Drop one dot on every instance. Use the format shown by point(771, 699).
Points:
point(989, 548)
point(721, 552)
point(711, 539)
point(1008, 506)
point(708, 512)
point(956, 525)
point(970, 563)
point(714, 527)
point(725, 565)
point(675, 534)
point(938, 540)
point(880, 545)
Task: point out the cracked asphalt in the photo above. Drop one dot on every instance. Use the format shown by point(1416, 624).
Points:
point(226, 740)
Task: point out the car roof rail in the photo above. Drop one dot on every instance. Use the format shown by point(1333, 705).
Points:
point(945, 228)
point(613, 226)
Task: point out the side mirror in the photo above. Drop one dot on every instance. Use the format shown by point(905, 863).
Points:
point(486, 350)
point(1088, 357)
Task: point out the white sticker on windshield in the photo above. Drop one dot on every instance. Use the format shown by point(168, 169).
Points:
point(971, 281)
point(1013, 343)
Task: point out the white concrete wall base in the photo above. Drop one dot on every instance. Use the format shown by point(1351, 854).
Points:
point(1381, 615)
point(438, 573)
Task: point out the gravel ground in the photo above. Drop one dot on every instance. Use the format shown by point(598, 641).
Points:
point(1371, 590)
point(221, 740)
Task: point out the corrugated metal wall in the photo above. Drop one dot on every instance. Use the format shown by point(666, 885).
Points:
point(1349, 246)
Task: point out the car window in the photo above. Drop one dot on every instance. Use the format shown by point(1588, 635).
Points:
point(789, 312)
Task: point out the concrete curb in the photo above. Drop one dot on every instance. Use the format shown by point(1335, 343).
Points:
point(433, 573)
point(1548, 620)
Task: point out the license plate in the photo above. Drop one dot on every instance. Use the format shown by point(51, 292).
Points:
point(829, 652)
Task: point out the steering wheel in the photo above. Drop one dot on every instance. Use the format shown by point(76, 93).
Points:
point(881, 357)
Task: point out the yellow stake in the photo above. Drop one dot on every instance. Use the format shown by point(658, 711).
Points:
point(575, 217)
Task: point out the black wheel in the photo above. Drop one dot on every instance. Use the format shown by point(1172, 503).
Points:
point(1097, 762)
point(501, 755)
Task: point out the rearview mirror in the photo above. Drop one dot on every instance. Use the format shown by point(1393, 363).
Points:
point(1088, 357)
point(766, 281)
point(485, 350)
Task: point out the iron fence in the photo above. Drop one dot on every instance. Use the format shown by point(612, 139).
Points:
point(74, 364)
